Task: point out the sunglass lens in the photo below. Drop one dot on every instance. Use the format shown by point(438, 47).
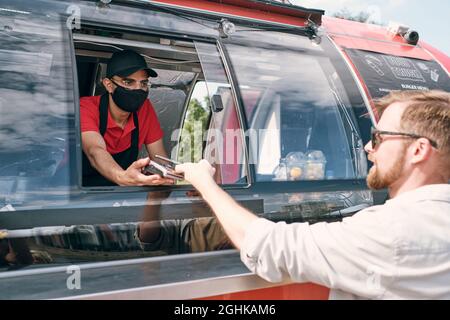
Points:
point(374, 139)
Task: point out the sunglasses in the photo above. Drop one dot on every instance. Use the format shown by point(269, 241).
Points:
point(377, 139)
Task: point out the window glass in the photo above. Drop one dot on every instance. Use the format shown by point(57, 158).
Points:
point(301, 124)
point(36, 107)
point(190, 148)
point(138, 15)
point(168, 94)
point(224, 138)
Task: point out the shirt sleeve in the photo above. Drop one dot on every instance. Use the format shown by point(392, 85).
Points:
point(89, 116)
point(155, 132)
point(356, 255)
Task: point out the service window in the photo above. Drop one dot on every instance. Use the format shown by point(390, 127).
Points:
point(191, 95)
point(301, 125)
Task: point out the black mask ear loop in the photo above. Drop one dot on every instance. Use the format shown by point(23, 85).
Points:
point(117, 84)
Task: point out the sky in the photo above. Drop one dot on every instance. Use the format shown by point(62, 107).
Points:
point(430, 18)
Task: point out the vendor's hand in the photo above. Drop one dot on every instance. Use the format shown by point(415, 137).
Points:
point(198, 174)
point(133, 176)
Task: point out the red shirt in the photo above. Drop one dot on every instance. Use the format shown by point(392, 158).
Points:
point(116, 138)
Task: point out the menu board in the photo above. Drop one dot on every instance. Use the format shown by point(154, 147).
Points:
point(383, 73)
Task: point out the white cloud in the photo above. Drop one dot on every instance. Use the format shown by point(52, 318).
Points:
point(380, 10)
point(332, 6)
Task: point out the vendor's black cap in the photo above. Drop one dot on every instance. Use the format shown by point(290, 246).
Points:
point(126, 62)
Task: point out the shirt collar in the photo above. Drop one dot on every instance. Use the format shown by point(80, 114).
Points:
point(128, 127)
point(439, 192)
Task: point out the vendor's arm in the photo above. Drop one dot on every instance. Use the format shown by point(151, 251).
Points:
point(95, 148)
point(234, 218)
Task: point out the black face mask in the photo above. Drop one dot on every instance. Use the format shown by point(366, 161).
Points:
point(129, 100)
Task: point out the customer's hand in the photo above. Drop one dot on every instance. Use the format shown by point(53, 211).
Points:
point(198, 174)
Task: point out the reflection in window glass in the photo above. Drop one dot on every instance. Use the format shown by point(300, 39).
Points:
point(224, 138)
point(300, 127)
point(196, 118)
point(36, 106)
point(168, 94)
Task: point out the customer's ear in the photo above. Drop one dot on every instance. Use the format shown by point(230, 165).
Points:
point(421, 151)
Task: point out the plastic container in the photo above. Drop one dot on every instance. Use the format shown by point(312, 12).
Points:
point(296, 162)
point(298, 166)
point(280, 172)
point(315, 165)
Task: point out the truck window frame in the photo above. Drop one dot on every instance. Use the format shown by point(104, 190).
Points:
point(355, 97)
point(175, 36)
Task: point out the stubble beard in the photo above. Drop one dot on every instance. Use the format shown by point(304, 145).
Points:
point(378, 181)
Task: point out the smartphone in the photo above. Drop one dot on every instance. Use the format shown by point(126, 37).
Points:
point(171, 162)
point(165, 171)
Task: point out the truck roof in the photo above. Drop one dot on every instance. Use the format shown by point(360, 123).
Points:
point(346, 33)
point(256, 9)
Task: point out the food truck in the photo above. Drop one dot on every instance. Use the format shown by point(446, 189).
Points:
point(279, 98)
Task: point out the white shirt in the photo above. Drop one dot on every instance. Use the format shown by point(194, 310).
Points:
point(399, 250)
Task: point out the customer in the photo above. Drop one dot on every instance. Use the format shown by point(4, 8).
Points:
point(399, 250)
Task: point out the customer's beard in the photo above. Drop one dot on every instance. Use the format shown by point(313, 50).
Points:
point(377, 181)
